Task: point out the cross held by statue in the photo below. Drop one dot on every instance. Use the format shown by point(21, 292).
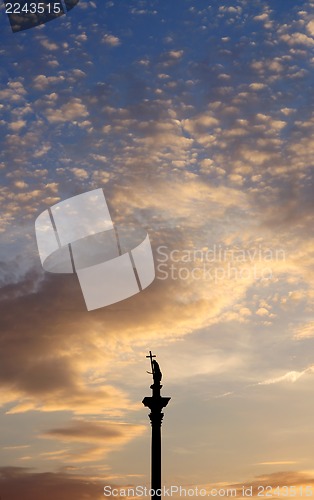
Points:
point(151, 356)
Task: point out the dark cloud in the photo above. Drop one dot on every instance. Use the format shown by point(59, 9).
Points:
point(17, 483)
point(82, 430)
point(96, 438)
point(49, 343)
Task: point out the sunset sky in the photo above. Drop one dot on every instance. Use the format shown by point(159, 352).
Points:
point(196, 118)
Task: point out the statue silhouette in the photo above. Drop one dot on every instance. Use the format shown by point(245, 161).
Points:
point(157, 375)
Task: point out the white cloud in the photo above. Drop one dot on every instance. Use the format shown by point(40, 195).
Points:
point(175, 54)
point(48, 44)
point(111, 40)
point(310, 27)
point(41, 82)
point(304, 331)
point(80, 173)
point(72, 110)
point(17, 125)
point(291, 376)
point(257, 86)
point(297, 39)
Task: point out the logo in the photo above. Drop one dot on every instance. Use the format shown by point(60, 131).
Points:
point(27, 14)
point(78, 236)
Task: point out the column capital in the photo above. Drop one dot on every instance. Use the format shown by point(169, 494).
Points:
point(155, 404)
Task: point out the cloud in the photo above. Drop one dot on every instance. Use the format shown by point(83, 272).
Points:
point(80, 173)
point(18, 482)
point(281, 479)
point(262, 312)
point(262, 17)
point(72, 110)
point(291, 376)
point(258, 486)
point(111, 40)
point(257, 86)
point(304, 331)
point(175, 54)
point(98, 438)
point(16, 126)
point(310, 27)
point(41, 82)
point(48, 44)
point(200, 125)
point(24, 204)
point(14, 92)
point(297, 39)
point(278, 462)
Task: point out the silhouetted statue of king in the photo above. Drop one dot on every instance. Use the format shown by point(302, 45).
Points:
point(157, 375)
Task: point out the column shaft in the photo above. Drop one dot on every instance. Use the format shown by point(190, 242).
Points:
point(156, 454)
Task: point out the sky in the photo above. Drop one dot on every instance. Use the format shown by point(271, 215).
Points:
point(196, 118)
